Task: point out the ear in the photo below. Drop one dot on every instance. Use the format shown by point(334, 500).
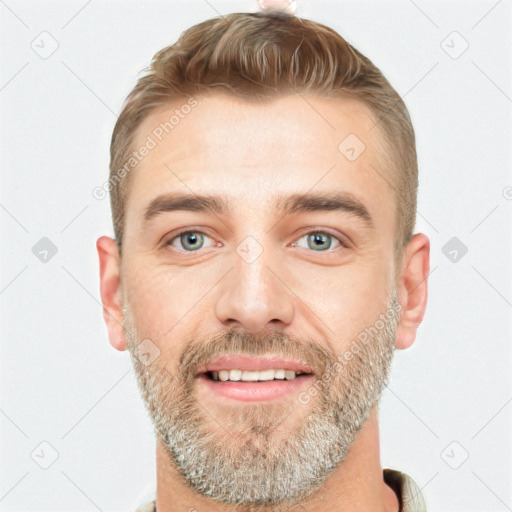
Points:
point(412, 289)
point(111, 291)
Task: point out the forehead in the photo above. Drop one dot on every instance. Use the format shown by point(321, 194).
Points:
point(250, 153)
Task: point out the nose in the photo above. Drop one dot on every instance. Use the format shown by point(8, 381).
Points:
point(255, 297)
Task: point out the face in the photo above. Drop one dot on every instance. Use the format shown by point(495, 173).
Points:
point(288, 264)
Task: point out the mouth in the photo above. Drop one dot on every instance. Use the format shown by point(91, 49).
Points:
point(238, 375)
point(254, 379)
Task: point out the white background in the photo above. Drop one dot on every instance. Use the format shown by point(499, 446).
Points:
point(63, 384)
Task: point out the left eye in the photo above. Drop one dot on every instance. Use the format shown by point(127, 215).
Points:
point(191, 241)
point(318, 241)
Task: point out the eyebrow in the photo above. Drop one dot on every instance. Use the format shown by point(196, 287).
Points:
point(296, 203)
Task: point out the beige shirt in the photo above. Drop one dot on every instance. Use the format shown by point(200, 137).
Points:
point(407, 491)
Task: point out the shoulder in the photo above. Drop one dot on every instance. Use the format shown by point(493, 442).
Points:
point(147, 507)
point(407, 490)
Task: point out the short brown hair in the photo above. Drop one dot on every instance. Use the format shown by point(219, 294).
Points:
point(258, 56)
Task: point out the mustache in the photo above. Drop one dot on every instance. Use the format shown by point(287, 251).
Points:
point(237, 341)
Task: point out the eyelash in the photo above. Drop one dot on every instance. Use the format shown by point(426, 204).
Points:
point(330, 251)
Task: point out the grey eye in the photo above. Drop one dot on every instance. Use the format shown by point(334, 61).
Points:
point(190, 241)
point(318, 241)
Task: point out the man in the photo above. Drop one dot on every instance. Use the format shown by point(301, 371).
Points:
point(264, 268)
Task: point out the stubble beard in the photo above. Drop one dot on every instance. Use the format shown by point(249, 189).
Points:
point(267, 455)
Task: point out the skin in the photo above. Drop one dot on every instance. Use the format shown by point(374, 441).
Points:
point(249, 152)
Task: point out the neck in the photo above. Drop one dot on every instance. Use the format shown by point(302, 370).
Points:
point(356, 484)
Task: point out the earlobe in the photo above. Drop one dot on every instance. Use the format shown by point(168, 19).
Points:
point(413, 289)
point(110, 291)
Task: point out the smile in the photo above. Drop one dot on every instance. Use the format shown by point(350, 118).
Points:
point(253, 376)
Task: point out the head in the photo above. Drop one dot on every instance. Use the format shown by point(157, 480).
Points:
point(263, 190)
point(258, 57)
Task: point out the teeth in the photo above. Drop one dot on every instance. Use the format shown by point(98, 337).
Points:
point(279, 374)
point(253, 376)
point(234, 374)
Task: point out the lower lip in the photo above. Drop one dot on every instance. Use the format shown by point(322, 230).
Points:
point(254, 391)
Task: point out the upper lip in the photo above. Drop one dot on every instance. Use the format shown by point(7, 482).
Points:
point(241, 362)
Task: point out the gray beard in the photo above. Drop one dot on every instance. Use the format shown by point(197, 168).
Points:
point(246, 455)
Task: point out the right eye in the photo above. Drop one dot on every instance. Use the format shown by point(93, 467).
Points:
point(189, 240)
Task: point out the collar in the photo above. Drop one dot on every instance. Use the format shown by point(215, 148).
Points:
point(406, 489)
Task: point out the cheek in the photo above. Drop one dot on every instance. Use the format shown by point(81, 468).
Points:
point(154, 302)
point(168, 305)
point(351, 298)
